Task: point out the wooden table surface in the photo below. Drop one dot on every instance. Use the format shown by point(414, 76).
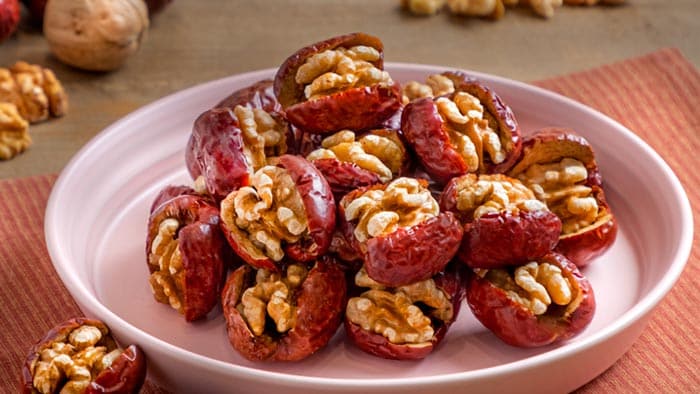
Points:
point(191, 42)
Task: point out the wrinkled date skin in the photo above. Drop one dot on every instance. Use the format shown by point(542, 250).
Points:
point(406, 255)
point(168, 193)
point(344, 177)
point(373, 343)
point(125, 375)
point(553, 144)
point(425, 131)
point(319, 309)
point(518, 326)
point(203, 249)
point(503, 238)
point(215, 151)
point(319, 205)
point(355, 108)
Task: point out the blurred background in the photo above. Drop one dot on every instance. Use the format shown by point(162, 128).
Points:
point(189, 42)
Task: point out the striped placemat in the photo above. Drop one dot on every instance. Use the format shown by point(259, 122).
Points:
point(657, 96)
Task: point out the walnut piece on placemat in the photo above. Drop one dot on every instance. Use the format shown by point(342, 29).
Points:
point(14, 134)
point(34, 90)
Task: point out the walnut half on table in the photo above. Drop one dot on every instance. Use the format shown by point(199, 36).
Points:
point(14, 132)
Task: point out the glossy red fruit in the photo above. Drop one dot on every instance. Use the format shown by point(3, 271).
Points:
point(124, 375)
point(580, 243)
point(317, 302)
point(355, 108)
point(319, 208)
point(202, 248)
point(516, 324)
point(377, 344)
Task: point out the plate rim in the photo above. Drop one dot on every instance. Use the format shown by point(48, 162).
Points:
point(638, 311)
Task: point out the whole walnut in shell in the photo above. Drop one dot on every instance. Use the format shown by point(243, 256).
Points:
point(96, 35)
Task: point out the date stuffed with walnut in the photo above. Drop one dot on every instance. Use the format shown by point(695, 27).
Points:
point(404, 322)
point(560, 167)
point(504, 224)
point(286, 315)
point(399, 231)
point(236, 138)
point(467, 130)
point(336, 84)
point(544, 301)
point(186, 252)
point(80, 356)
point(288, 210)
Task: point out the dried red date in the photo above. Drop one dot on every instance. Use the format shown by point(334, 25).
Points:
point(235, 139)
point(560, 167)
point(504, 224)
point(258, 95)
point(545, 301)
point(80, 355)
point(469, 130)
point(186, 255)
point(337, 84)
point(288, 210)
point(405, 322)
point(349, 161)
point(286, 315)
point(399, 230)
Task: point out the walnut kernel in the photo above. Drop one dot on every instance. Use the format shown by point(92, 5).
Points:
point(269, 212)
point(338, 69)
point(482, 194)
point(403, 203)
point(14, 132)
point(167, 279)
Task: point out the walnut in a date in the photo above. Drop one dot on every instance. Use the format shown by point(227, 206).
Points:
point(80, 356)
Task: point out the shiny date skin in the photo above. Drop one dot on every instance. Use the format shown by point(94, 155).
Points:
point(378, 345)
point(519, 326)
point(553, 144)
point(424, 129)
point(406, 255)
point(319, 205)
point(125, 375)
point(355, 108)
point(499, 239)
point(202, 246)
point(319, 303)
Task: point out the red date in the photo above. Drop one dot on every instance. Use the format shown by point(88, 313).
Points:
point(399, 230)
point(560, 167)
point(186, 255)
point(545, 301)
point(80, 355)
point(286, 315)
point(337, 84)
point(469, 130)
point(288, 210)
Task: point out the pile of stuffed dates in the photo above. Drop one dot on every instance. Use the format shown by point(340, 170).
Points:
point(332, 195)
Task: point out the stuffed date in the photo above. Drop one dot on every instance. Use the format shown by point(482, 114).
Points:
point(504, 224)
point(186, 254)
point(80, 356)
point(399, 231)
point(288, 210)
point(286, 315)
point(560, 167)
point(544, 301)
point(228, 144)
point(405, 322)
point(349, 161)
point(469, 130)
point(337, 84)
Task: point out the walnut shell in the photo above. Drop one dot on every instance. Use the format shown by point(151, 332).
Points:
point(95, 35)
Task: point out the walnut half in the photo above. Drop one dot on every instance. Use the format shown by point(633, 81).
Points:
point(14, 132)
point(395, 312)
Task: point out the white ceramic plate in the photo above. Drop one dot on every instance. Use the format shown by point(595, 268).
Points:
point(96, 227)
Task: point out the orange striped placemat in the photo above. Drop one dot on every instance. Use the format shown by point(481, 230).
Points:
point(657, 96)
